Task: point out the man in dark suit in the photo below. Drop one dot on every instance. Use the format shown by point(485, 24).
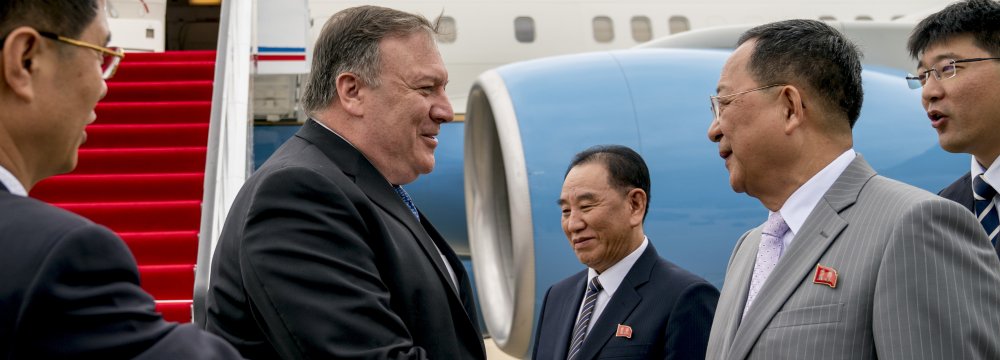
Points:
point(323, 254)
point(958, 51)
point(69, 288)
point(629, 303)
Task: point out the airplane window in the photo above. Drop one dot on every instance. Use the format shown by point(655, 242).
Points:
point(446, 31)
point(894, 17)
point(679, 24)
point(863, 18)
point(604, 30)
point(642, 29)
point(827, 18)
point(524, 29)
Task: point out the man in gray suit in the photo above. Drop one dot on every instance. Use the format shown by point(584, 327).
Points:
point(849, 265)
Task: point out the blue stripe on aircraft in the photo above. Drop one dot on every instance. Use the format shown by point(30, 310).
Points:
point(280, 49)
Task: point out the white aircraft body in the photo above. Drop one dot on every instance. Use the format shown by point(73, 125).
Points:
point(479, 35)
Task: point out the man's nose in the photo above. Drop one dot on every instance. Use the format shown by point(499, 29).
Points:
point(931, 90)
point(441, 110)
point(714, 131)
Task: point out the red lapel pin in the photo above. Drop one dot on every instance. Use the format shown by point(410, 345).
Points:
point(825, 275)
point(624, 331)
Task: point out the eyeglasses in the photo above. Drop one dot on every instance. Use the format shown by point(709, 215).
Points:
point(110, 57)
point(945, 69)
point(717, 106)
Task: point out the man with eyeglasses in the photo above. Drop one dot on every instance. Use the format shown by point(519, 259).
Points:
point(69, 288)
point(850, 264)
point(958, 50)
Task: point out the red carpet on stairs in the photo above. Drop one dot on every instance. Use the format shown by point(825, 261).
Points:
point(141, 171)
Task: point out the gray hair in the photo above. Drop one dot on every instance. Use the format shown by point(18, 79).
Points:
point(814, 53)
point(349, 43)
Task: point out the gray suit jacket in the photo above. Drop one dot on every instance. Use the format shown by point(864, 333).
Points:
point(917, 279)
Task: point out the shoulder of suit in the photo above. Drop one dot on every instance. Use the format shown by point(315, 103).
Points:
point(25, 218)
point(28, 212)
point(675, 275)
point(900, 191)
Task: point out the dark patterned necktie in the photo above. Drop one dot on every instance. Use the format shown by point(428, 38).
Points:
point(406, 199)
point(580, 330)
point(986, 211)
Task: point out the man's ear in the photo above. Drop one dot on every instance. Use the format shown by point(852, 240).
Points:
point(21, 52)
point(637, 201)
point(350, 94)
point(792, 108)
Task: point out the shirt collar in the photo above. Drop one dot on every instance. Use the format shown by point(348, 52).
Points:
point(991, 175)
point(798, 206)
point(614, 275)
point(11, 183)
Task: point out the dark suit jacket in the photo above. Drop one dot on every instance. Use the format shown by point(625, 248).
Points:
point(69, 288)
point(320, 258)
point(669, 309)
point(960, 191)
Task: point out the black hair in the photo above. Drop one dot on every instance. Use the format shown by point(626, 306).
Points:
point(64, 17)
point(626, 168)
point(980, 18)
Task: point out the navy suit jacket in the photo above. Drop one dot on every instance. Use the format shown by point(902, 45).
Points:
point(69, 289)
point(669, 309)
point(960, 191)
point(320, 258)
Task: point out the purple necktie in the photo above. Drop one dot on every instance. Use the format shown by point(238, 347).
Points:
point(768, 252)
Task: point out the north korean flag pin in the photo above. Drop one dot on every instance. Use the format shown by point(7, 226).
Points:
point(825, 275)
point(624, 331)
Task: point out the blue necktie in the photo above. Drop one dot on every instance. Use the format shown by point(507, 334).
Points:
point(580, 330)
point(986, 211)
point(406, 199)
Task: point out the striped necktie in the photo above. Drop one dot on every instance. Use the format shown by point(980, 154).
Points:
point(580, 330)
point(986, 210)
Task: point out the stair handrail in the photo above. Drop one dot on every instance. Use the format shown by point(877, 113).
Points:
point(229, 153)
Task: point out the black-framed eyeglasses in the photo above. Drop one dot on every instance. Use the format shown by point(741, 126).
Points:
point(945, 69)
point(717, 106)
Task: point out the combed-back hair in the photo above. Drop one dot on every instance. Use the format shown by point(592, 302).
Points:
point(64, 17)
point(979, 18)
point(809, 53)
point(626, 168)
point(349, 43)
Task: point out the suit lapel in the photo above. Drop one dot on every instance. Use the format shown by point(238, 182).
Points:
point(468, 301)
point(736, 287)
point(376, 187)
point(820, 229)
point(620, 306)
point(568, 308)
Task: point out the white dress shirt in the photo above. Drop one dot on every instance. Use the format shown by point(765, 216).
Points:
point(802, 202)
point(991, 175)
point(610, 280)
point(451, 272)
point(10, 182)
